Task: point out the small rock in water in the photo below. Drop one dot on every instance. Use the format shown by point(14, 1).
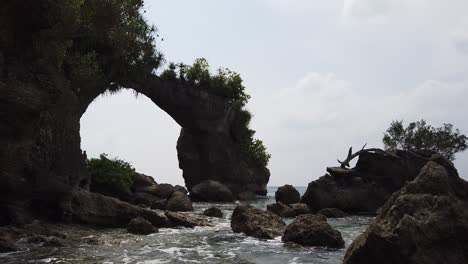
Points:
point(186, 219)
point(213, 212)
point(313, 230)
point(179, 202)
point(141, 226)
point(281, 210)
point(256, 222)
point(287, 194)
point(332, 213)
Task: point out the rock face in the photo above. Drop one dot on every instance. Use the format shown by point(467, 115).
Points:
point(179, 202)
point(213, 212)
point(287, 194)
point(140, 226)
point(366, 187)
point(212, 191)
point(281, 210)
point(313, 230)
point(41, 106)
point(256, 222)
point(332, 213)
point(425, 222)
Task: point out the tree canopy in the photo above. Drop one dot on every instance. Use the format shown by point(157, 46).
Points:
point(421, 137)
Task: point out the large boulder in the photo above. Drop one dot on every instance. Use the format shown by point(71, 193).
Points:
point(281, 210)
point(367, 186)
point(426, 222)
point(213, 212)
point(313, 230)
point(332, 213)
point(141, 226)
point(256, 222)
point(287, 194)
point(212, 191)
point(179, 202)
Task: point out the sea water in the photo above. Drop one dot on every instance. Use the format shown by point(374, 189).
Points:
point(216, 244)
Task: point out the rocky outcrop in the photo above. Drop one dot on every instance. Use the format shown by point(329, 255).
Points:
point(179, 202)
point(281, 210)
point(256, 222)
point(287, 194)
point(41, 104)
point(426, 222)
point(313, 230)
point(141, 226)
point(212, 191)
point(367, 186)
point(213, 212)
point(332, 213)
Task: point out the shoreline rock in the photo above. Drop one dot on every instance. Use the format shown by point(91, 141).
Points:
point(211, 191)
point(256, 222)
point(287, 195)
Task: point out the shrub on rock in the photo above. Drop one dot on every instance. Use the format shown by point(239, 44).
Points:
point(141, 226)
point(256, 222)
point(287, 194)
point(313, 230)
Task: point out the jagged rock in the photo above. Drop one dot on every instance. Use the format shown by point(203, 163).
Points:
point(181, 189)
point(99, 210)
point(256, 222)
point(300, 208)
point(287, 194)
point(160, 204)
point(426, 222)
point(179, 202)
point(141, 226)
point(332, 213)
point(186, 219)
point(313, 230)
point(366, 187)
point(212, 191)
point(7, 245)
point(246, 196)
point(213, 212)
point(281, 210)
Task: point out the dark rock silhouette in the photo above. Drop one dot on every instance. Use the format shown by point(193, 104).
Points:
point(281, 210)
point(41, 107)
point(256, 222)
point(246, 196)
point(367, 186)
point(287, 194)
point(213, 212)
point(211, 191)
point(332, 213)
point(186, 219)
point(7, 245)
point(140, 226)
point(179, 202)
point(300, 208)
point(313, 230)
point(426, 222)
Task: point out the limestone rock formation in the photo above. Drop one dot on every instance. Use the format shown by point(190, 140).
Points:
point(213, 212)
point(256, 222)
point(281, 210)
point(426, 222)
point(367, 186)
point(313, 230)
point(179, 202)
point(212, 191)
point(287, 194)
point(141, 226)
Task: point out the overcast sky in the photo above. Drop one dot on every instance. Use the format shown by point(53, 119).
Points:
point(323, 75)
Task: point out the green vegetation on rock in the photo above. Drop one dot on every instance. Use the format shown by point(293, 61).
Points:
point(421, 137)
point(110, 175)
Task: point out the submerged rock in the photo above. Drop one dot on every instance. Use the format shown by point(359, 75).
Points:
point(281, 210)
point(367, 186)
point(300, 208)
point(179, 202)
point(332, 213)
point(213, 212)
point(287, 194)
point(313, 230)
point(141, 226)
point(426, 222)
point(212, 191)
point(256, 222)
